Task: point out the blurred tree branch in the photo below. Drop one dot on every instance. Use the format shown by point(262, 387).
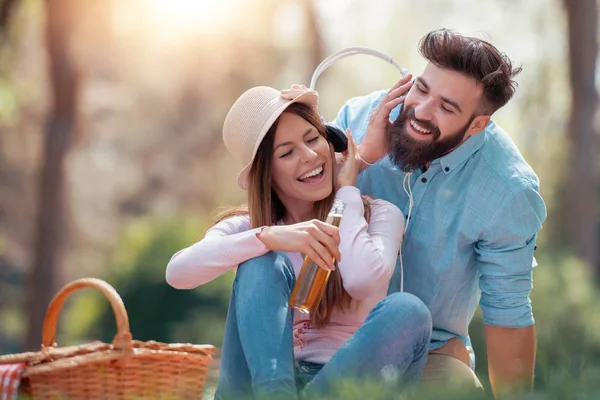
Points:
point(6, 9)
point(582, 20)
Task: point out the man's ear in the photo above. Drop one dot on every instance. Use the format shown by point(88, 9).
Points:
point(478, 124)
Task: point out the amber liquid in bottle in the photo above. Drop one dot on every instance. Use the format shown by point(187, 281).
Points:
point(312, 280)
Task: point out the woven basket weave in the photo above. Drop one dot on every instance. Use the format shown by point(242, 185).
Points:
point(124, 369)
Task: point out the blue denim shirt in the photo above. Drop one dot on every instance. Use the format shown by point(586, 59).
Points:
point(472, 230)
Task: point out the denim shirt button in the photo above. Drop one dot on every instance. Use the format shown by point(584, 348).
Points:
point(423, 179)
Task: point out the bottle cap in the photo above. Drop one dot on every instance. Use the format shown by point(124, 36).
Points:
point(338, 207)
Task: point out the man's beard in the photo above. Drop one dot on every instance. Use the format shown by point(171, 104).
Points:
point(409, 153)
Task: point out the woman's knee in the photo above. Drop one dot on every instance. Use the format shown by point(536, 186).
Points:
point(272, 266)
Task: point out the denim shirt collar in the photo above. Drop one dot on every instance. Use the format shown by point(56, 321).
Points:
point(459, 155)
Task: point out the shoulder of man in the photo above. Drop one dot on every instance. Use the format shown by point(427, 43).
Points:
point(504, 174)
point(505, 162)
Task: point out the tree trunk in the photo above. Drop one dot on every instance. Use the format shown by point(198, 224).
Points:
point(59, 134)
point(6, 9)
point(314, 39)
point(582, 19)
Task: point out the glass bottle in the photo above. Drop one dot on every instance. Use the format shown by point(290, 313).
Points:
point(312, 280)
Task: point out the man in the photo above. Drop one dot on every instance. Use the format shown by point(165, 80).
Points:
point(471, 201)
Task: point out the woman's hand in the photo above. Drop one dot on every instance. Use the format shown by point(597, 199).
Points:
point(316, 239)
point(348, 164)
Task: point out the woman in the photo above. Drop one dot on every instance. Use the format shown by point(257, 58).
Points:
point(291, 178)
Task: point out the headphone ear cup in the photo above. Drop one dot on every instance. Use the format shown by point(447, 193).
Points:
point(337, 138)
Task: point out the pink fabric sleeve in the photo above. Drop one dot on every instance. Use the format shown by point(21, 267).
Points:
point(224, 247)
point(369, 251)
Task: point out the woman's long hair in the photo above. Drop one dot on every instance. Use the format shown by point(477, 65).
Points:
point(265, 209)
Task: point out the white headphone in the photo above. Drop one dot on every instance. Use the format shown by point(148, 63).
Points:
point(350, 51)
point(347, 52)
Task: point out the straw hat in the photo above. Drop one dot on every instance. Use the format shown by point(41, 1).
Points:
point(252, 115)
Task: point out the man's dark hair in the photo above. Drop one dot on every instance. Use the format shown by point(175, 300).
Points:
point(475, 58)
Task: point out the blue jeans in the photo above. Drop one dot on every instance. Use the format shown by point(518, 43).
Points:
point(257, 358)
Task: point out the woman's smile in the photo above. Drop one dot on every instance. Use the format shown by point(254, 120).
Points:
point(314, 175)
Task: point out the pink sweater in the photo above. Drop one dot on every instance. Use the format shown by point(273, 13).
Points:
point(369, 253)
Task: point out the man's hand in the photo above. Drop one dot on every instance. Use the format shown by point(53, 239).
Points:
point(511, 358)
point(374, 146)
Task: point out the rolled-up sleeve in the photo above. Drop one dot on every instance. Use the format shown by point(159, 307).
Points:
point(506, 262)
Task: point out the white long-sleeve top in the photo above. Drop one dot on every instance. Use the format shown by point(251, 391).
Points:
point(369, 254)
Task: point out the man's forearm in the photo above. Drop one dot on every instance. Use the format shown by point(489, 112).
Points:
point(511, 358)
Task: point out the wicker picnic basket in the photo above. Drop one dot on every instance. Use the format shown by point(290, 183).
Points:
point(124, 369)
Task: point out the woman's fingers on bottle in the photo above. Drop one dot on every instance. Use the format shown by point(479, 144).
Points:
point(331, 245)
point(322, 257)
point(330, 230)
point(314, 256)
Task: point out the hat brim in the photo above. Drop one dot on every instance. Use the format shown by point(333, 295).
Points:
point(309, 98)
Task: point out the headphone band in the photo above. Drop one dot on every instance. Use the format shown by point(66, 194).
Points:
point(350, 51)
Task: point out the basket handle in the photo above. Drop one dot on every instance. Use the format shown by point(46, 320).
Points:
point(122, 339)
